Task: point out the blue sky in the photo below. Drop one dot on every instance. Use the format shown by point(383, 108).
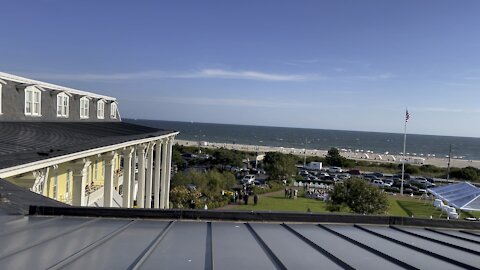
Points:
point(350, 65)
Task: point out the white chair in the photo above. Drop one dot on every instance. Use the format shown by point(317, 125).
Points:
point(450, 211)
point(438, 204)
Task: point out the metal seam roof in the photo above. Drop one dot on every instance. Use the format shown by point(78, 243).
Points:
point(142, 243)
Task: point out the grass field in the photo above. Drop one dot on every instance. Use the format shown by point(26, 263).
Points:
point(277, 202)
point(398, 206)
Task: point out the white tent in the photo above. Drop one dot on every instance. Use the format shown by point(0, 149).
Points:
point(464, 196)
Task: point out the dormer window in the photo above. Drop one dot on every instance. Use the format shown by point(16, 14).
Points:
point(84, 108)
point(62, 105)
point(100, 109)
point(33, 99)
point(113, 110)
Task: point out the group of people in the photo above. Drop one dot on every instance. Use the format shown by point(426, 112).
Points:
point(291, 193)
point(244, 196)
point(315, 193)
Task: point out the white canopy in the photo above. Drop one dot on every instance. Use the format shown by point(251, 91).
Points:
point(464, 196)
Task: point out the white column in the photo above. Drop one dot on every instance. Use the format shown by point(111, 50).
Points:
point(141, 176)
point(108, 181)
point(163, 185)
point(41, 177)
point(80, 173)
point(156, 185)
point(148, 180)
point(169, 169)
point(127, 172)
point(132, 179)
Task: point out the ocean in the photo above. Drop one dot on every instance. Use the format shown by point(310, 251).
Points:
point(322, 139)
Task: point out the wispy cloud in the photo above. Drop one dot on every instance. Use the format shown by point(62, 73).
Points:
point(446, 110)
point(301, 62)
point(199, 74)
point(374, 77)
point(249, 75)
point(236, 102)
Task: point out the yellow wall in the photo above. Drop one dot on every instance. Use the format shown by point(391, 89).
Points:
point(97, 177)
point(61, 173)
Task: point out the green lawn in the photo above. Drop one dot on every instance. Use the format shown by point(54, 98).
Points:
point(399, 206)
point(412, 207)
point(277, 202)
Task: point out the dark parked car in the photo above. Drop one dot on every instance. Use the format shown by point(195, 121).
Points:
point(406, 176)
point(354, 172)
point(371, 177)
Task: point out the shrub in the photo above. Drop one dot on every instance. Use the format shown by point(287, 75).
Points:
point(359, 196)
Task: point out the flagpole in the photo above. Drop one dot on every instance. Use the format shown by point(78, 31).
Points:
point(404, 146)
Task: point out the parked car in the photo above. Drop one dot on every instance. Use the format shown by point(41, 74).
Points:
point(406, 176)
point(343, 176)
point(378, 174)
point(355, 172)
point(387, 182)
point(248, 179)
point(322, 175)
point(304, 173)
point(335, 170)
point(371, 177)
point(331, 178)
point(421, 183)
point(378, 183)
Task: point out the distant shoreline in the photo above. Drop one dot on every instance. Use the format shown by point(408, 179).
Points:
point(375, 157)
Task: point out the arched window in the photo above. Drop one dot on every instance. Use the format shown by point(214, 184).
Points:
point(84, 108)
point(33, 101)
point(100, 109)
point(62, 105)
point(113, 110)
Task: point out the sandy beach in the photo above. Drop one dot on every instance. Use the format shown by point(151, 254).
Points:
point(376, 157)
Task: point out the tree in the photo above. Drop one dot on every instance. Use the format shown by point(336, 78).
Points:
point(279, 165)
point(181, 197)
point(334, 158)
point(210, 183)
point(468, 173)
point(359, 196)
point(227, 157)
point(410, 169)
point(177, 158)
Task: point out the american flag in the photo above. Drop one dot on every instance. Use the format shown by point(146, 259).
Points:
point(407, 116)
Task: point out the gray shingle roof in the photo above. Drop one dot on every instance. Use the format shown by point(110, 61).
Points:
point(25, 142)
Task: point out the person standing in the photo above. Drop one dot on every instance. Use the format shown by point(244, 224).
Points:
point(255, 199)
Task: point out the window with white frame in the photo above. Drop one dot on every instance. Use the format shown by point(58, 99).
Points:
point(33, 99)
point(100, 109)
point(62, 105)
point(84, 107)
point(113, 110)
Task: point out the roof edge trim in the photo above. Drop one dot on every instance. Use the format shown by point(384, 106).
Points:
point(32, 166)
point(16, 78)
